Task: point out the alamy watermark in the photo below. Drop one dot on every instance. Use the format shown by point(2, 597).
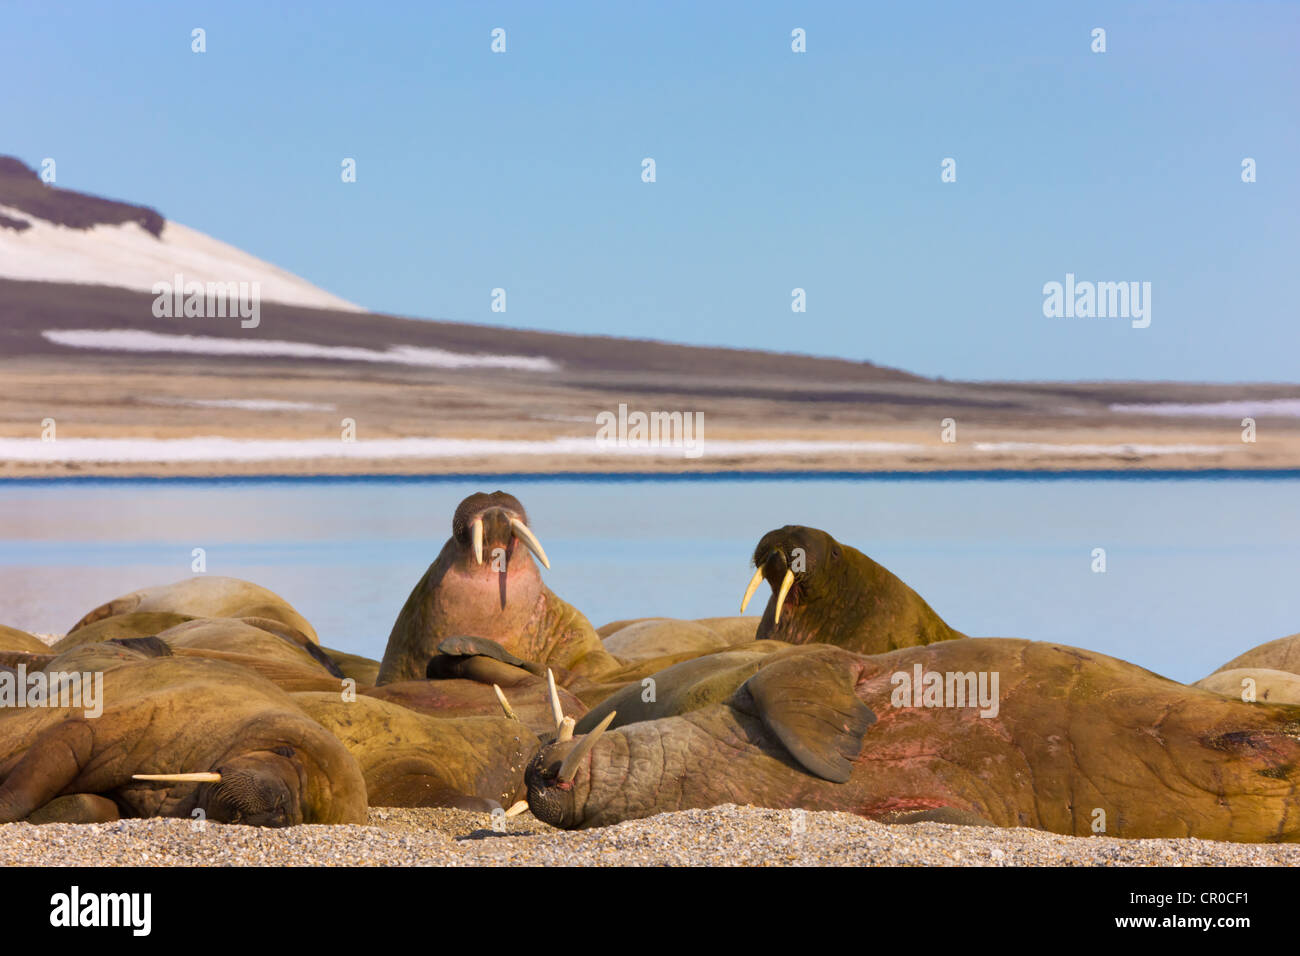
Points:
point(212, 300)
point(922, 688)
point(636, 429)
point(83, 691)
point(1098, 300)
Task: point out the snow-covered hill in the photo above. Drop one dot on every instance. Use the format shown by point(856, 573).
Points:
point(58, 235)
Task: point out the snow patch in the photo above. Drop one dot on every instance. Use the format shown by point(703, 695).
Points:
point(230, 449)
point(139, 340)
point(127, 256)
point(1259, 408)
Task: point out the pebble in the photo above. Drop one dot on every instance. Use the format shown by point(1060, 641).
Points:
point(720, 836)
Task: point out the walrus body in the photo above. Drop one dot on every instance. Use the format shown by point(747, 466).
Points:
point(655, 637)
point(168, 715)
point(12, 639)
point(484, 584)
point(827, 592)
point(410, 759)
point(206, 596)
point(1261, 684)
point(1078, 743)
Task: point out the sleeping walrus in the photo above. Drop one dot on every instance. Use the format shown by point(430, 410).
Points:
point(1006, 732)
point(176, 735)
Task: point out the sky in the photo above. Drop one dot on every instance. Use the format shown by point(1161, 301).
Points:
point(774, 170)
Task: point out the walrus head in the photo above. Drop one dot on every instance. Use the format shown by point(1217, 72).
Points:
point(550, 774)
point(260, 789)
point(804, 567)
point(827, 592)
point(486, 525)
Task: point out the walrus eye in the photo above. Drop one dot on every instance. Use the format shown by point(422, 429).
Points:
point(284, 751)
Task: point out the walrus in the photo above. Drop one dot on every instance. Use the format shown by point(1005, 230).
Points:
point(652, 637)
point(409, 759)
point(827, 592)
point(1282, 654)
point(207, 596)
point(178, 735)
point(12, 639)
point(1262, 684)
point(1066, 740)
point(485, 585)
point(129, 625)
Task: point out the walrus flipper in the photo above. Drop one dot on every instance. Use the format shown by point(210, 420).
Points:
point(51, 764)
point(809, 705)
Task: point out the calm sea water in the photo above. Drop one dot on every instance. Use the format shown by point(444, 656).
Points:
point(1197, 569)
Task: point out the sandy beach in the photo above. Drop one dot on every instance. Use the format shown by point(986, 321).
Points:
point(720, 836)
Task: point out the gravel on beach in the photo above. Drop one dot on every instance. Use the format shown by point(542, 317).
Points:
point(720, 836)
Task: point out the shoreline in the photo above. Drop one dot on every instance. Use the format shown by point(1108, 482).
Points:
point(739, 474)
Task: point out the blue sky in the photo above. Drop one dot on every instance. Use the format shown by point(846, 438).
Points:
point(775, 170)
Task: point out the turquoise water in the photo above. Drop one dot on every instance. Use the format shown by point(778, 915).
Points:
point(1198, 569)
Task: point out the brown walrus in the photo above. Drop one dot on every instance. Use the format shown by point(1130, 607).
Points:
point(827, 592)
point(1066, 740)
point(485, 586)
point(410, 759)
point(175, 735)
point(207, 596)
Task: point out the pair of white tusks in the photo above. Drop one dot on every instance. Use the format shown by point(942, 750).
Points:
point(179, 777)
point(563, 732)
point(522, 532)
point(756, 580)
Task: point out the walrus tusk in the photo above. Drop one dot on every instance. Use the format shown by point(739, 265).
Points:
point(566, 730)
point(505, 704)
point(569, 768)
point(517, 808)
point(476, 533)
point(179, 777)
point(556, 709)
point(780, 597)
point(754, 582)
point(530, 539)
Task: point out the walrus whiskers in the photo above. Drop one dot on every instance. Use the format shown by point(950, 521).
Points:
point(754, 582)
point(505, 704)
point(178, 777)
point(556, 709)
point(476, 533)
point(786, 582)
point(530, 540)
point(569, 768)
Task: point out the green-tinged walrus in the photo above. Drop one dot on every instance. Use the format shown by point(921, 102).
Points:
point(410, 759)
point(485, 584)
point(207, 596)
point(176, 735)
point(827, 592)
point(1260, 684)
point(12, 639)
point(1008, 732)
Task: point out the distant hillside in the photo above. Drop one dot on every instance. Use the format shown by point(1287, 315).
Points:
point(52, 234)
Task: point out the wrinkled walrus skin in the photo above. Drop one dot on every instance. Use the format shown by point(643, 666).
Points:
point(1075, 733)
point(839, 596)
point(501, 599)
point(409, 759)
point(169, 715)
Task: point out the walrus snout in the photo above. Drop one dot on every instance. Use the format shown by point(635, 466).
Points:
point(494, 522)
